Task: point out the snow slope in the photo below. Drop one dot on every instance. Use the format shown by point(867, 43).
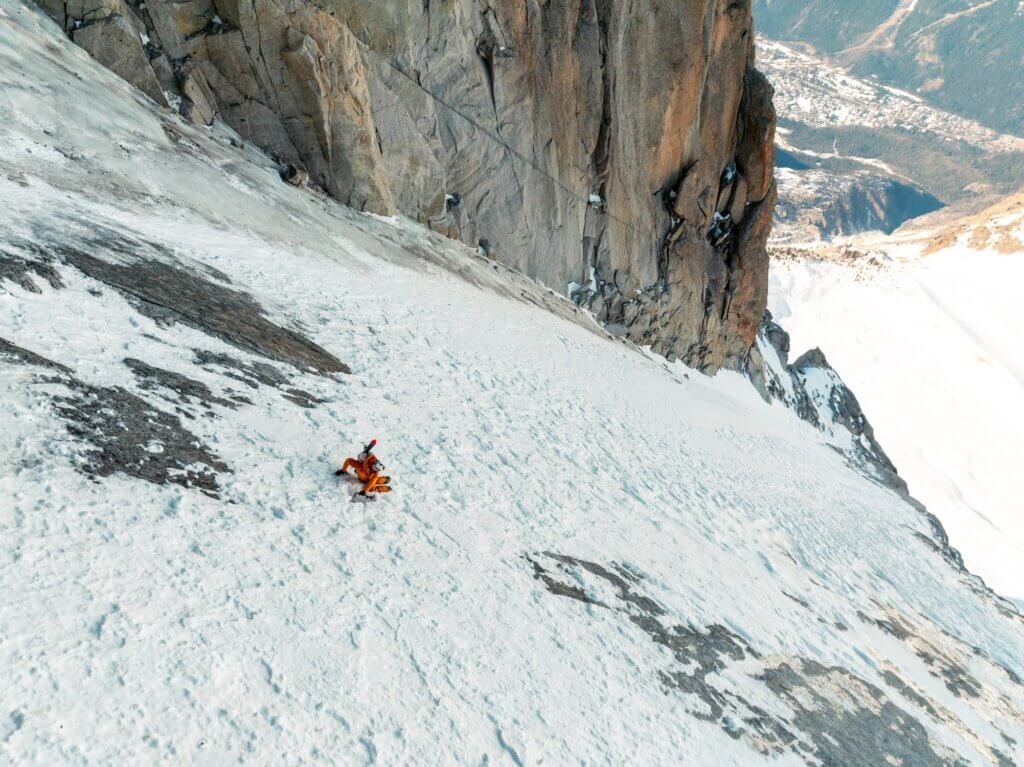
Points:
point(931, 344)
point(591, 556)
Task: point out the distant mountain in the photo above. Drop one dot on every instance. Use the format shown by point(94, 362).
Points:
point(855, 155)
point(819, 204)
point(964, 55)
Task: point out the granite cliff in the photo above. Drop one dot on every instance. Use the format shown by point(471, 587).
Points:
point(620, 152)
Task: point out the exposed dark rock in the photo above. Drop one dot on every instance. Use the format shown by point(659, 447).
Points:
point(776, 336)
point(837, 718)
point(125, 434)
point(814, 358)
point(14, 353)
point(701, 653)
point(892, 627)
point(170, 293)
point(186, 389)
point(799, 600)
point(954, 676)
point(558, 588)
point(908, 692)
point(20, 271)
point(945, 655)
point(877, 732)
point(128, 436)
point(147, 274)
point(1002, 760)
point(252, 374)
point(823, 400)
point(621, 579)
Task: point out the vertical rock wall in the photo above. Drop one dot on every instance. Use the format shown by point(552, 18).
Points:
point(617, 150)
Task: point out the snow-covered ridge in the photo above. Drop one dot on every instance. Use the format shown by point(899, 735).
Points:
point(925, 326)
point(999, 229)
point(590, 555)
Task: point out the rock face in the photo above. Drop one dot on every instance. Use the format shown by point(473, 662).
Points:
point(814, 390)
point(620, 152)
point(112, 34)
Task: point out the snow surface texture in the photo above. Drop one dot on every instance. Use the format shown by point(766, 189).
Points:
point(931, 344)
point(591, 556)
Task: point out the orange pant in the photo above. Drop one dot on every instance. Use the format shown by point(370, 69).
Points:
point(378, 483)
point(373, 481)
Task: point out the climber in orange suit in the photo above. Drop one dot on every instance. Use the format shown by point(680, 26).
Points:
point(368, 469)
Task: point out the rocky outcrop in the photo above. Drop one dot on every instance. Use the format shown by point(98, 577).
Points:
point(290, 77)
point(866, 727)
point(622, 154)
point(812, 388)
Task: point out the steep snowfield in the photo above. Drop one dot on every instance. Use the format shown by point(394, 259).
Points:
point(932, 346)
point(591, 556)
